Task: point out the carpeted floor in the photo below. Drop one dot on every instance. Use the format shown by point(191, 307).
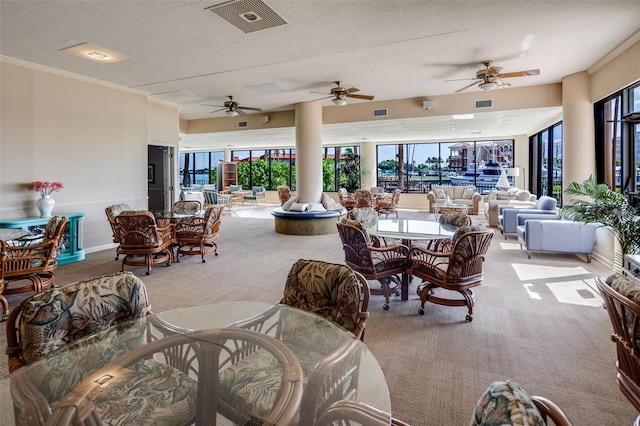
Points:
point(538, 322)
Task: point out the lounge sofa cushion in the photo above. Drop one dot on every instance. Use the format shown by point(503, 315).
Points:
point(466, 195)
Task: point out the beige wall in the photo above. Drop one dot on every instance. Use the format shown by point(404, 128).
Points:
point(620, 72)
point(91, 138)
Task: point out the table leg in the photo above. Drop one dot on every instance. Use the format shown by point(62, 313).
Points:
point(406, 278)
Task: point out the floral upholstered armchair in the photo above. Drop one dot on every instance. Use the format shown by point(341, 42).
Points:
point(333, 291)
point(93, 322)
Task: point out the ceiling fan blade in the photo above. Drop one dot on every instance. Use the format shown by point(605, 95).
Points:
point(520, 73)
point(240, 111)
point(367, 97)
point(217, 110)
point(466, 87)
point(462, 79)
point(250, 108)
point(219, 106)
point(352, 90)
point(319, 99)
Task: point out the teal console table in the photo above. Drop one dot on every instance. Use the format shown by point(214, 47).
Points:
point(71, 249)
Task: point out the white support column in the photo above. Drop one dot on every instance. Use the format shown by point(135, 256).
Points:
point(577, 129)
point(309, 151)
point(368, 164)
point(227, 155)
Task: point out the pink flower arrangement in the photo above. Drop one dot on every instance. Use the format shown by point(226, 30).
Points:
point(46, 188)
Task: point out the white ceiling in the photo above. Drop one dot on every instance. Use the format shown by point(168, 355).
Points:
point(392, 49)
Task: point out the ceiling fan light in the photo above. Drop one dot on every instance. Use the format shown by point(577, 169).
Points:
point(231, 113)
point(488, 85)
point(339, 101)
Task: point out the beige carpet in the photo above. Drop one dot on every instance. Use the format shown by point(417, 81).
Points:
point(538, 322)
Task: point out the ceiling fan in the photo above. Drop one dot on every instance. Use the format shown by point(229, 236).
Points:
point(233, 108)
point(491, 78)
point(340, 94)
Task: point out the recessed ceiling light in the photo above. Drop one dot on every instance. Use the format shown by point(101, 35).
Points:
point(462, 116)
point(95, 53)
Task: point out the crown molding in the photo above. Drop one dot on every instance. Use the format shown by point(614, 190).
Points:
point(61, 73)
point(633, 39)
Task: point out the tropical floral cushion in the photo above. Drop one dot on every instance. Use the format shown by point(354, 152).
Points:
point(55, 376)
point(506, 403)
point(149, 393)
point(630, 288)
point(356, 223)
point(326, 289)
point(55, 318)
point(453, 220)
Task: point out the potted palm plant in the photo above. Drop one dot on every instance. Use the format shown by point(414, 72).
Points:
point(599, 204)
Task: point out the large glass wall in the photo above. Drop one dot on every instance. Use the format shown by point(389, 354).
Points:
point(422, 165)
point(274, 167)
point(617, 121)
point(546, 162)
point(199, 168)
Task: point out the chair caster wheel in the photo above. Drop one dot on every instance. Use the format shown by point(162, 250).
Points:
point(421, 311)
point(117, 257)
point(469, 318)
point(216, 253)
point(147, 273)
point(204, 260)
point(397, 293)
point(385, 306)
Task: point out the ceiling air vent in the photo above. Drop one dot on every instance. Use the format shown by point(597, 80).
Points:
point(243, 124)
point(486, 103)
point(247, 15)
point(380, 112)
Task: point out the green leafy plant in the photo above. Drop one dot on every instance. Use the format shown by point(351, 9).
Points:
point(607, 208)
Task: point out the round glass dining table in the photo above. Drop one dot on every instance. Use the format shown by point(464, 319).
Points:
point(327, 364)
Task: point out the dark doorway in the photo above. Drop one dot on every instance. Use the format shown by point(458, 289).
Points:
point(159, 177)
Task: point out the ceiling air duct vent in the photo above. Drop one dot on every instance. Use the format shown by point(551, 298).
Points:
point(243, 124)
point(247, 15)
point(485, 103)
point(380, 112)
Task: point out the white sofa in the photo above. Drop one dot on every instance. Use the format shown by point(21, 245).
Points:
point(513, 197)
point(457, 194)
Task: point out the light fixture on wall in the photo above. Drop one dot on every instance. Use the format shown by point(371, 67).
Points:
point(231, 113)
point(488, 85)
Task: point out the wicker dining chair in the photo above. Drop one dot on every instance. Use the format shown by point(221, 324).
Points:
point(34, 261)
point(365, 255)
point(333, 291)
point(112, 211)
point(284, 193)
point(347, 200)
point(457, 268)
point(364, 198)
point(93, 322)
point(142, 241)
point(198, 235)
point(388, 204)
point(621, 301)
